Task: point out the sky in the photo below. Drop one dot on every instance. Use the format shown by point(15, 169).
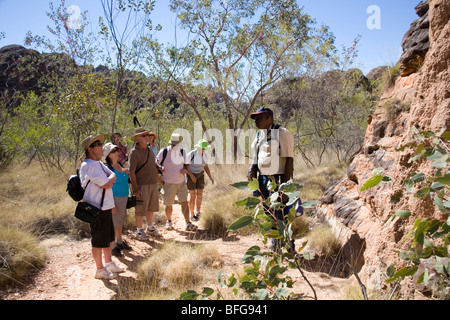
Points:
point(382, 24)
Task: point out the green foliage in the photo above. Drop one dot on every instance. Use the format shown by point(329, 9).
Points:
point(430, 235)
point(264, 272)
point(375, 180)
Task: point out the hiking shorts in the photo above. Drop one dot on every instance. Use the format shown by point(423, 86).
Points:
point(199, 184)
point(170, 190)
point(102, 230)
point(149, 201)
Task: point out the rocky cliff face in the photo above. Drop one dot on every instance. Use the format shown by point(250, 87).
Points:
point(419, 99)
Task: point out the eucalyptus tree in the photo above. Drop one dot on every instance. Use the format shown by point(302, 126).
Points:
point(124, 25)
point(238, 48)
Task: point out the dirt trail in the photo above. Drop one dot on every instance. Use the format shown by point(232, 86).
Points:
point(70, 268)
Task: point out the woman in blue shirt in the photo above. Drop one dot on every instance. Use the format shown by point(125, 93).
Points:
point(120, 192)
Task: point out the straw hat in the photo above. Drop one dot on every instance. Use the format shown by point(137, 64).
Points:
point(90, 139)
point(138, 132)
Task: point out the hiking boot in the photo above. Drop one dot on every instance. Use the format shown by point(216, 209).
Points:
point(104, 273)
point(116, 251)
point(111, 266)
point(123, 245)
point(190, 227)
point(141, 234)
point(169, 225)
point(196, 217)
point(153, 232)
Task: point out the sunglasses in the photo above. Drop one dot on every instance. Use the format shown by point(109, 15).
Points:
point(114, 150)
point(146, 135)
point(96, 144)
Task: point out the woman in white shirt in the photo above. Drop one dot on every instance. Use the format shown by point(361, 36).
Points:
point(98, 180)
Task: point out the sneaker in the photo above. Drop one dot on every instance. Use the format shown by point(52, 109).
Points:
point(153, 232)
point(190, 227)
point(169, 225)
point(111, 266)
point(104, 273)
point(196, 217)
point(116, 251)
point(141, 234)
point(124, 245)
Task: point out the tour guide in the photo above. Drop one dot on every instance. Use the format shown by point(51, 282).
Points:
point(272, 154)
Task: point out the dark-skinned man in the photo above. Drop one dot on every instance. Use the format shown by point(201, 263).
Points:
point(272, 155)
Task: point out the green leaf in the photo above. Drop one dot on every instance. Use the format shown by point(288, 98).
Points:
point(262, 294)
point(445, 179)
point(446, 136)
point(390, 271)
point(249, 203)
point(289, 187)
point(251, 254)
point(372, 182)
point(231, 281)
point(418, 177)
point(422, 193)
point(189, 295)
point(409, 185)
point(441, 162)
point(405, 272)
point(241, 223)
point(274, 234)
point(309, 255)
point(254, 184)
point(243, 185)
point(403, 213)
point(435, 155)
point(292, 197)
point(443, 207)
point(207, 291)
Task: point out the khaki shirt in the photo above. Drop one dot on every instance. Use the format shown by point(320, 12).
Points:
point(270, 149)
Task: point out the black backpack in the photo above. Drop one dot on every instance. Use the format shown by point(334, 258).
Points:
point(74, 188)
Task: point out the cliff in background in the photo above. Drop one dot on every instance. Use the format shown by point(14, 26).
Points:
point(419, 99)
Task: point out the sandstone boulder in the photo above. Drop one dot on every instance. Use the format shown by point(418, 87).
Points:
point(350, 211)
point(416, 42)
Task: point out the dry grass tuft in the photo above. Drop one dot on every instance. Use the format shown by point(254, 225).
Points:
point(177, 267)
point(21, 255)
point(323, 241)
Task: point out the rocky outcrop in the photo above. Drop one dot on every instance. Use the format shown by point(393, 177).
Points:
point(10, 61)
point(353, 213)
point(376, 73)
point(416, 42)
point(25, 70)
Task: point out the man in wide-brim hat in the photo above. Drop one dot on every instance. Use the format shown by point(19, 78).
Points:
point(139, 132)
point(144, 177)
